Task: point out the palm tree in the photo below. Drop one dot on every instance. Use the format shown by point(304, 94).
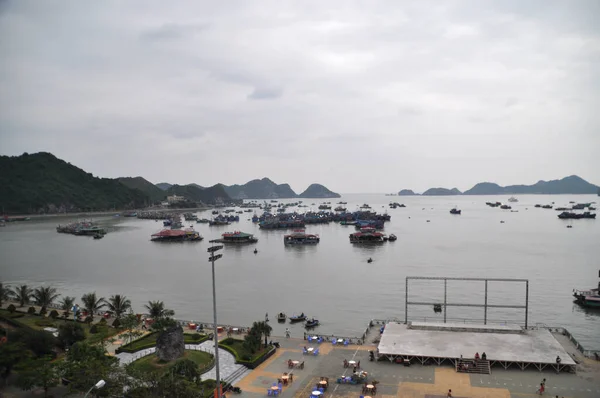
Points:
point(92, 304)
point(119, 305)
point(157, 310)
point(66, 304)
point(263, 328)
point(5, 293)
point(44, 296)
point(22, 294)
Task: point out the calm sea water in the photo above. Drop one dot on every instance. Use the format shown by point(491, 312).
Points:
point(333, 281)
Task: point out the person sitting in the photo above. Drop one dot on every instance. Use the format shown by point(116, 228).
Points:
point(477, 356)
point(483, 356)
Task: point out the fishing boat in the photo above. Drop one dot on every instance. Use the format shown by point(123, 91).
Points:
point(340, 208)
point(588, 298)
point(505, 207)
point(344, 222)
point(98, 236)
point(215, 223)
point(300, 237)
point(392, 238)
point(512, 199)
point(281, 317)
point(203, 221)
point(455, 211)
point(311, 323)
point(367, 235)
point(236, 237)
point(167, 223)
point(365, 206)
point(176, 235)
point(298, 318)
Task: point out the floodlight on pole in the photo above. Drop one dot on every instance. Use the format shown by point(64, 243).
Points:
point(214, 257)
point(97, 386)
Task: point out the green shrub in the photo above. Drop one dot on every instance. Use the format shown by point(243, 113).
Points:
point(43, 311)
point(31, 310)
point(94, 329)
point(11, 308)
point(102, 321)
point(53, 314)
point(69, 333)
point(196, 337)
point(116, 323)
point(88, 320)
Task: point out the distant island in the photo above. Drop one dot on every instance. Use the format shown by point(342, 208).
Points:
point(441, 192)
point(42, 183)
point(574, 185)
point(318, 191)
point(406, 192)
point(568, 185)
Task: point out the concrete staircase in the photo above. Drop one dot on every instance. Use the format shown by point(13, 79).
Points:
point(480, 366)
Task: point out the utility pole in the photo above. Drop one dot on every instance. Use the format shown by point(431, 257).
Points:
point(214, 257)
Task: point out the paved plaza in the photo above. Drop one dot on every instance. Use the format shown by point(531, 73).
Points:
point(416, 381)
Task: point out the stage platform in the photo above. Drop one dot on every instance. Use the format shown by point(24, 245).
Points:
point(536, 348)
point(465, 327)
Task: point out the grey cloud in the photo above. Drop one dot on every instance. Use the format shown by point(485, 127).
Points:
point(261, 93)
point(396, 83)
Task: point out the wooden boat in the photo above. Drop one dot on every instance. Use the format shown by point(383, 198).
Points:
point(98, 236)
point(281, 317)
point(455, 211)
point(298, 318)
point(311, 323)
point(392, 238)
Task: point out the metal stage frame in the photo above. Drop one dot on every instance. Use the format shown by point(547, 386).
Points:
point(485, 304)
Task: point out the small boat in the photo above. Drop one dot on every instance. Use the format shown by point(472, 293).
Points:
point(281, 317)
point(298, 318)
point(437, 308)
point(588, 298)
point(455, 211)
point(98, 236)
point(370, 260)
point(311, 323)
point(505, 207)
point(392, 238)
point(512, 199)
point(203, 221)
point(344, 222)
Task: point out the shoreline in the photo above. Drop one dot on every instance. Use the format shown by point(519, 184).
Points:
point(37, 217)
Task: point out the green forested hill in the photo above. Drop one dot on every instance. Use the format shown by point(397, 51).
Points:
point(155, 193)
point(41, 182)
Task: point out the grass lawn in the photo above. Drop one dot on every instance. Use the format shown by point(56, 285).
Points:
point(38, 322)
point(238, 346)
point(150, 339)
point(151, 362)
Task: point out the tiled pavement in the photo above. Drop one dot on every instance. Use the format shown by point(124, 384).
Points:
point(396, 381)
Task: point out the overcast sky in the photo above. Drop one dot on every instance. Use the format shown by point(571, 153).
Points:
point(361, 96)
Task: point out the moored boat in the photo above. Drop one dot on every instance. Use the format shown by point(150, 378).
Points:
point(588, 298)
point(505, 207)
point(281, 317)
point(311, 323)
point(392, 238)
point(455, 211)
point(367, 235)
point(176, 235)
point(298, 318)
point(513, 199)
point(300, 237)
point(236, 237)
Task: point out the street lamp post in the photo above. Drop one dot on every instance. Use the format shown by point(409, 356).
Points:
point(214, 257)
point(97, 386)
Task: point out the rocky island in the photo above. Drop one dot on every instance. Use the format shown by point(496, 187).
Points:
point(318, 191)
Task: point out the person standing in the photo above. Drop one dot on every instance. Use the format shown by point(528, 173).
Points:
point(287, 333)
